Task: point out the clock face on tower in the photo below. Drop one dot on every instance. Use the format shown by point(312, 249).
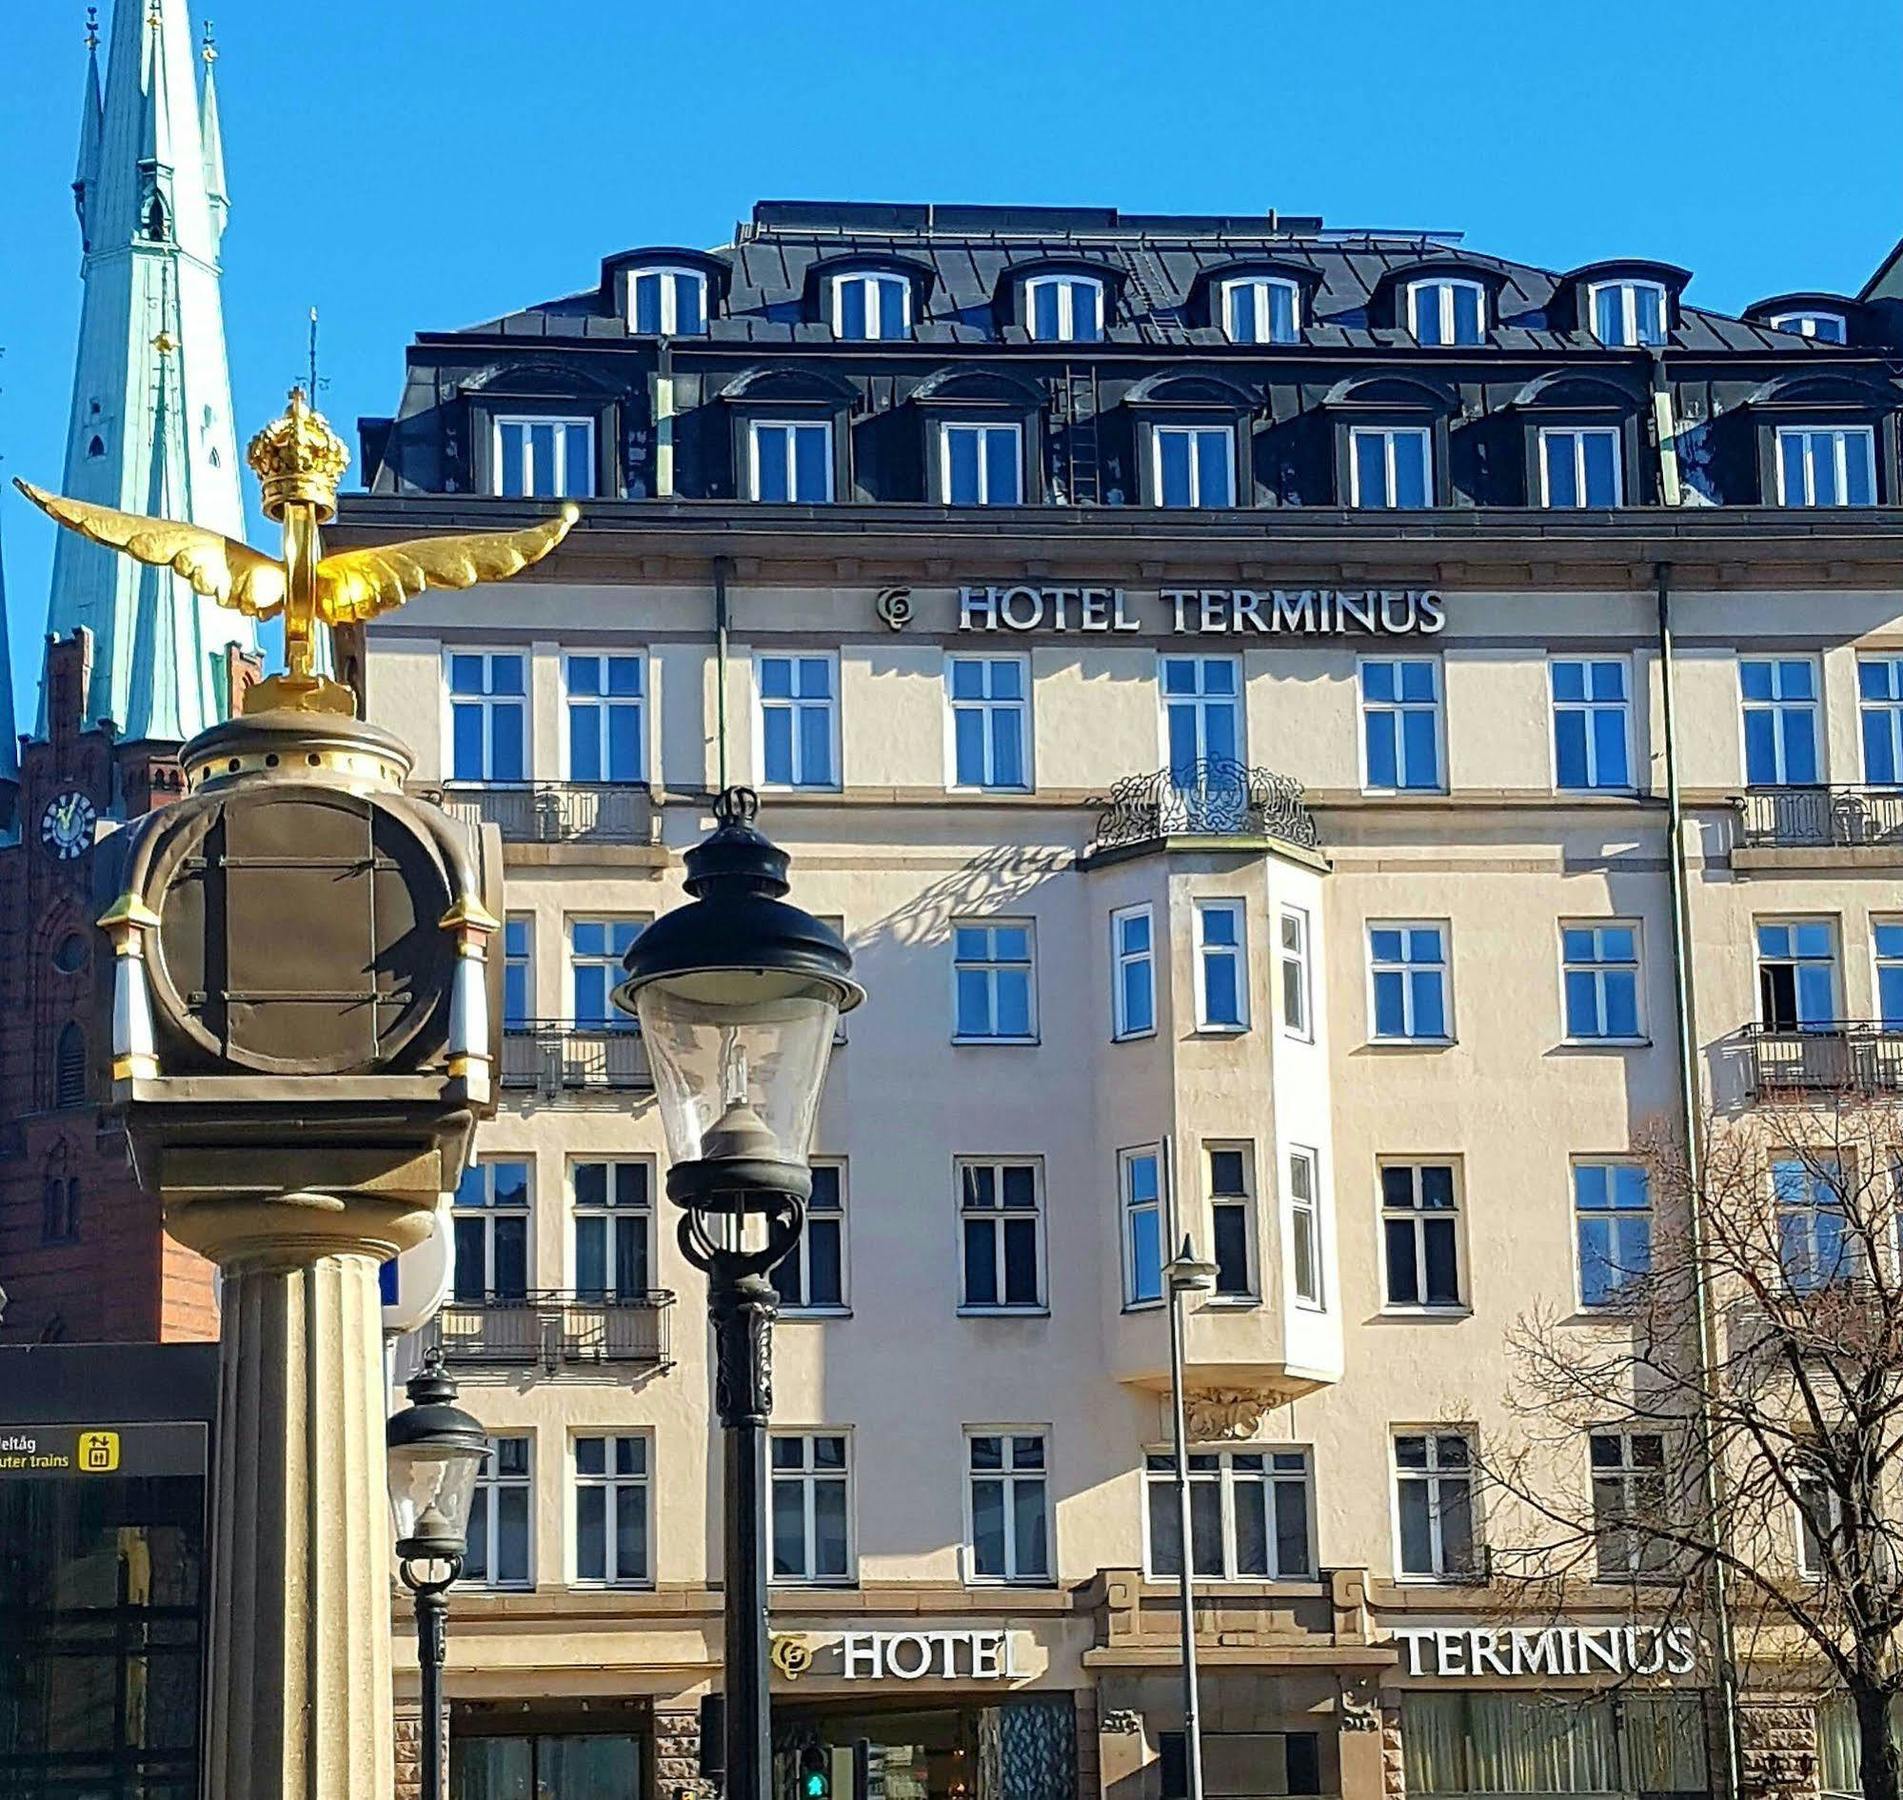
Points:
point(66, 826)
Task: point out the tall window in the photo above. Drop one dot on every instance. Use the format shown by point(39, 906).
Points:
point(812, 1538)
point(1009, 1506)
point(1600, 976)
point(498, 1554)
point(1222, 966)
point(1814, 1243)
point(69, 1065)
point(1434, 1498)
point(1261, 309)
point(1001, 1236)
point(1630, 1502)
point(1820, 1521)
point(669, 302)
point(612, 1497)
point(1292, 926)
point(1886, 941)
point(488, 715)
point(1592, 713)
point(1628, 314)
point(1407, 974)
point(812, 1277)
point(1064, 309)
point(1780, 721)
point(1390, 465)
point(1232, 1218)
point(491, 1225)
point(605, 738)
point(871, 306)
point(545, 459)
point(1202, 711)
point(991, 719)
point(1139, 1173)
point(1248, 1515)
point(1400, 723)
point(1305, 1228)
point(1825, 327)
point(1826, 465)
point(993, 990)
point(1580, 466)
point(1797, 973)
point(1612, 1215)
point(1420, 1229)
point(1193, 465)
point(59, 1206)
point(1133, 997)
point(1880, 710)
point(982, 465)
point(1446, 311)
point(799, 720)
point(518, 970)
point(614, 1229)
point(595, 950)
point(792, 459)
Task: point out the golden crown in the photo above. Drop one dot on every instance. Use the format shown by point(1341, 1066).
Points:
point(298, 457)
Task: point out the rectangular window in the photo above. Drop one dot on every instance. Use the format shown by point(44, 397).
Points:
point(1407, 974)
point(1420, 1229)
point(991, 722)
point(1001, 1237)
point(518, 970)
point(811, 1528)
point(1780, 721)
point(1447, 312)
point(1886, 943)
point(1591, 724)
point(499, 1515)
point(1261, 310)
point(1628, 314)
point(488, 715)
point(1434, 1498)
point(1797, 974)
point(1193, 465)
point(872, 306)
point(1305, 1228)
point(595, 950)
point(1400, 724)
point(1232, 1218)
point(1139, 1174)
point(981, 465)
point(1600, 978)
point(1826, 465)
point(614, 1229)
point(1133, 997)
point(812, 1277)
point(1009, 1504)
point(605, 737)
point(1612, 1214)
point(545, 459)
point(1814, 1243)
point(1880, 714)
point(1390, 465)
point(1064, 309)
point(1820, 1515)
point(799, 720)
point(612, 1511)
point(669, 302)
point(490, 1223)
point(1630, 1503)
point(1202, 713)
point(1580, 466)
point(994, 992)
point(792, 459)
point(1222, 966)
point(1248, 1516)
point(1292, 925)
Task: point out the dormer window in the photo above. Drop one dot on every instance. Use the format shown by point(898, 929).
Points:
point(538, 457)
point(668, 302)
point(1447, 311)
point(1826, 465)
point(1064, 309)
point(1261, 309)
point(1812, 322)
point(872, 305)
point(1627, 314)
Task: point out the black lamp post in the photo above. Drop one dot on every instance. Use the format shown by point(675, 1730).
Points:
point(739, 995)
point(435, 1450)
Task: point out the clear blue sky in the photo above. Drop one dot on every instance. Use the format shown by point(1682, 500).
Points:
point(426, 163)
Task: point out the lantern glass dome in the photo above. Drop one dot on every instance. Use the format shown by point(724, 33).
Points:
point(431, 1488)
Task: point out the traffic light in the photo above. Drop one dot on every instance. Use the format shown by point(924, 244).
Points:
point(815, 1782)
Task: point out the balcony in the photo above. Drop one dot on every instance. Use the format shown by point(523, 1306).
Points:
point(1215, 798)
point(555, 812)
point(1834, 1056)
point(553, 1330)
point(563, 1061)
point(1821, 818)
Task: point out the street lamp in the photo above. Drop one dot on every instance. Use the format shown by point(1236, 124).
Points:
point(1186, 1274)
point(738, 996)
point(435, 1450)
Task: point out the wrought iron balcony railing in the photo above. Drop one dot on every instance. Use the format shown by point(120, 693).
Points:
point(1858, 1056)
point(1212, 798)
point(561, 1057)
point(553, 1329)
point(555, 812)
point(1821, 817)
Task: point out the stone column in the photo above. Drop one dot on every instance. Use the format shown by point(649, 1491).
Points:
point(677, 1753)
point(1777, 1745)
point(409, 1750)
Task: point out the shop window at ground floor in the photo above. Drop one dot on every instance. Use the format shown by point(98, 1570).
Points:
point(1837, 1745)
point(591, 1766)
point(1480, 1743)
point(1244, 1765)
point(1021, 1750)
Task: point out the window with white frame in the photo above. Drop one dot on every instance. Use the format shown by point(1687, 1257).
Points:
point(488, 715)
point(1139, 1174)
point(614, 1228)
point(1261, 309)
point(1292, 929)
point(1008, 1502)
point(1600, 979)
point(1305, 1227)
point(792, 459)
point(1826, 465)
point(1400, 724)
point(991, 722)
point(544, 459)
point(1420, 1234)
point(1631, 1503)
point(1133, 993)
point(499, 1513)
point(1880, 718)
point(489, 1225)
point(1202, 712)
point(1797, 973)
point(1886, 948)
point(981, 465)
point(612, 1511)
point(1193, 465)
point(811, 1277)
point(1407, 979)
point(1064, 309)
point(799, 720)
point(1249, 1515)
point(1580, 465)
point(605, 712)
point(1812, 322)
point(1820, 1515)
point(871, 305)
point(1222, 966)
point(1231, 1175)
point(994, 989)
point(518, 970)
point(1445, 310)
point(1780, 720)
point(1612, 1217)
point(1434, 1503)
point(1628, 314)
point(811, 1507)
point(1815, 1245)
point(595, 950)
point(1390, 465)
point(1592, 723)
point(668, 302)
point(1000, 1235)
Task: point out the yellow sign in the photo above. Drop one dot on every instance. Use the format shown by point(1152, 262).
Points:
point(97, 1452)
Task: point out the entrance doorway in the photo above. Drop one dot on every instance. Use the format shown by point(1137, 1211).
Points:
point(1017, 1750)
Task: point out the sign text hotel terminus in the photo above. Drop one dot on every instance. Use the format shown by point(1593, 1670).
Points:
point(1298, 612)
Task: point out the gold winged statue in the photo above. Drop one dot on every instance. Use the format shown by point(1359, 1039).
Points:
point(299, 462)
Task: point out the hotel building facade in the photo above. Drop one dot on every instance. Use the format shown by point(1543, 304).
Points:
point(1248, 694)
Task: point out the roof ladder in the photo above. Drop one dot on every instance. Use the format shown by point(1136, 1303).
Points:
point(1152, 286)
point(1076, 469)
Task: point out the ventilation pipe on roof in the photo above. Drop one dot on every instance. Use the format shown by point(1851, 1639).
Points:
point(664, 420)
point(1665, 430)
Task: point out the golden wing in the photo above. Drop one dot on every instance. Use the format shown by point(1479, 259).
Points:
point(359, 584)
point(231, 573)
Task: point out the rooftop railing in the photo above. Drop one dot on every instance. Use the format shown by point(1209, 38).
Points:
point(1215, 797)
point(561, 1057)
point(1821, 817)
point(1853, 1056)
point(552, 1329)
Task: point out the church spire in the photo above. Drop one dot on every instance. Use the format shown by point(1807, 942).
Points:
point(213, 138)
point(91, 125)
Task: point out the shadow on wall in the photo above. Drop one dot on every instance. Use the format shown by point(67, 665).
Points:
point(1004, 873)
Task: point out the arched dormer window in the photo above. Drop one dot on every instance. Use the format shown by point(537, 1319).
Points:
point(1447, 310)
point(1064, 308)
point(69, 1065)
point(1812, 322)
point(665, 301)
point(1629, 313)
point(870, 304)
point(1261, 309)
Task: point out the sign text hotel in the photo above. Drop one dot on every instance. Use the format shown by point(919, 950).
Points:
point(1187, 611)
